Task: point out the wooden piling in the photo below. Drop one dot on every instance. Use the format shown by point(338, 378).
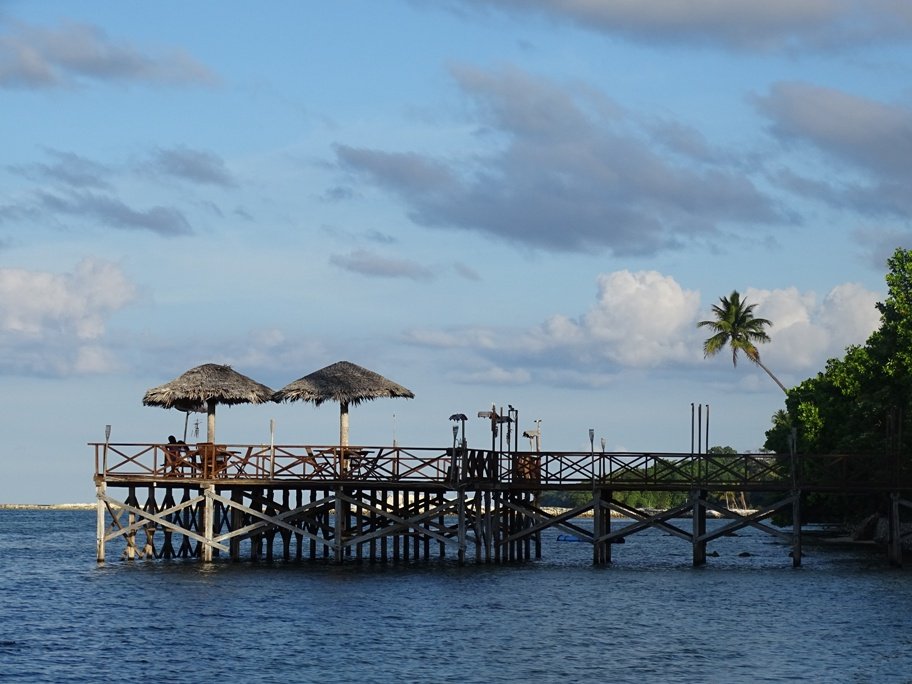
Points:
point(400, 512)
point(894, 542)
point(796, 529)
point(698, 511)
point(208, 522)
point(100, 527)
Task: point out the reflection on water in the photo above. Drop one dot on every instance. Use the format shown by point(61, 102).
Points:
point(747, 616)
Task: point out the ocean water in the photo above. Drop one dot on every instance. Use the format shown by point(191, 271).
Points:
point(845, 616)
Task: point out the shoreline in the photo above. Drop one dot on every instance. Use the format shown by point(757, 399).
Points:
point(47, 507)
point(557, 510)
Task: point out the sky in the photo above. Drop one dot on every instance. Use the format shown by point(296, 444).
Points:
point(490, 202)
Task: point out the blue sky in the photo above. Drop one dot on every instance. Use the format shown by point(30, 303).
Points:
point(487, 201)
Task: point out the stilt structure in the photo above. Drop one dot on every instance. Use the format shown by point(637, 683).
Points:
point(394, 504)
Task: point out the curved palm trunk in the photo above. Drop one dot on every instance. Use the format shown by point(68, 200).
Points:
point(770, 373)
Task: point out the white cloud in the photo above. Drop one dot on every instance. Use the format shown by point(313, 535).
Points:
point(807, 331)
point(496, 375)
point(639, 319)
point(52, 322)
point(645, 319)
point(849, 314)
point(91, 359)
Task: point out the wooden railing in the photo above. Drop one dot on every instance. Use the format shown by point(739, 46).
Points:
point(467, 467)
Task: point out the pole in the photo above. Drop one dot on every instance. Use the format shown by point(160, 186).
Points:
point(208, 521)
point(104, 458)
point(707, 428)
point(272, 447)
point(691, 428)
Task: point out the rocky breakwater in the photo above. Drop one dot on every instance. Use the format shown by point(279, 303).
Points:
point(876, 528)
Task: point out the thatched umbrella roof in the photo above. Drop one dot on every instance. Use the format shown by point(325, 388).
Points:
point(345, 382)
point(209, 384)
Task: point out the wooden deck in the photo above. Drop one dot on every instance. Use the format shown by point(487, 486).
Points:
point(392, 503)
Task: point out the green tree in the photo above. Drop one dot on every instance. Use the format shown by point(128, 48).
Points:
point(736, 326)
point(860, 403)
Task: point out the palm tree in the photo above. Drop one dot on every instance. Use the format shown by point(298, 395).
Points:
point(736, 326)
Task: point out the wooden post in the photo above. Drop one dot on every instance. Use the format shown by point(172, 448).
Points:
point(343, 424)
point(131, 518)
point(210, 421)
point(699, 526)
point(340, 525)
point(894, 551)
point(150, 507)
point(796, 529)
point(237, 520)
point(490, 549)
point(208, 520)
point(100, 521)
point(384, 551)
point(601, 550)
point(461, 525)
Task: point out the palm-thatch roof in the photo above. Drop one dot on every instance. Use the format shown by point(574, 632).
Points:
point(345, 382)
point(208, 385)
point(211, 382)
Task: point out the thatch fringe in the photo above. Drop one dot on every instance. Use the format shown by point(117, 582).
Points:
point(209, 382)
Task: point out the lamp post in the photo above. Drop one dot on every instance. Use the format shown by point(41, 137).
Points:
point(461, 418)
point(592, 450)
point(104, 458)
point(493, 417)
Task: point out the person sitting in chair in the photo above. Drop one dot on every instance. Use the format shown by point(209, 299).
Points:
point(174, 452)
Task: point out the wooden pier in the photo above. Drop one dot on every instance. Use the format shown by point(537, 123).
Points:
point(380, 504)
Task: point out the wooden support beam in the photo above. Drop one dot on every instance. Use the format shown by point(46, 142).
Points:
point(461, 526)
point(796, 529)
point(601, 526)
point(100, 489)
point(157, 518)
point(338, 547)
point(894, 542)
point(698, 512)
point(208, 518)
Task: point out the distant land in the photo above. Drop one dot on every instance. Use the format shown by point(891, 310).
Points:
point(47, 507)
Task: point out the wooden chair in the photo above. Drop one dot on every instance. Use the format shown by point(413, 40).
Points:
point(175, 458)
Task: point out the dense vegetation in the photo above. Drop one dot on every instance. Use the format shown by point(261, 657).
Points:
point(859, 403)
